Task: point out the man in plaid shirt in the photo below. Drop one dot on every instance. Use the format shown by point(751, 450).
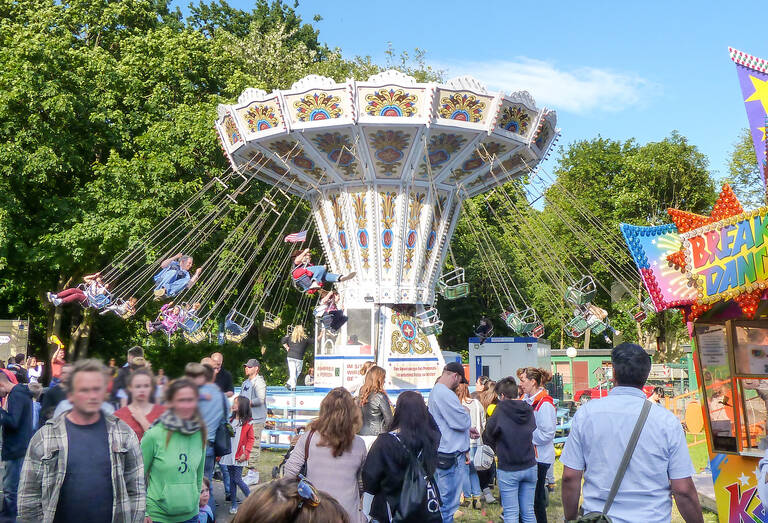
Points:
point(64, 477)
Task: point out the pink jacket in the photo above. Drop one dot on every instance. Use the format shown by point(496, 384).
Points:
point(170, 319)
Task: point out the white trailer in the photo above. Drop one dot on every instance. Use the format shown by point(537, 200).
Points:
point(501, 357)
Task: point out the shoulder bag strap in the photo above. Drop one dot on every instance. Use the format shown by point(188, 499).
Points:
point(306, 446)
point(627, 455)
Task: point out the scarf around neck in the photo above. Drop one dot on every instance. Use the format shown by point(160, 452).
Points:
point(172, 422)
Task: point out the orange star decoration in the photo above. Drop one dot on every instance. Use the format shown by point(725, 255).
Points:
point(727, 205)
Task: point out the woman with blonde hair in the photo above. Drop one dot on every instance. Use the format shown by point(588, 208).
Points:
point(471, 482)
point(174, 456)
point(374, 406)
point(290, 501)
point(332, 452)
point(355, 386)
point(296, 345)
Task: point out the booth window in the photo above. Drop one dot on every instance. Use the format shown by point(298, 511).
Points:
point(750, 356)
point(712, 345)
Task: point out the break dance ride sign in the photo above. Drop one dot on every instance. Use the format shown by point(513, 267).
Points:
point(730, 257)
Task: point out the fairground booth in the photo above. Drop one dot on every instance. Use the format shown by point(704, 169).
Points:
point(715, 270)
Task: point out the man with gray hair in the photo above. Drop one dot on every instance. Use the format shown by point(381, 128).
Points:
point(174, 276)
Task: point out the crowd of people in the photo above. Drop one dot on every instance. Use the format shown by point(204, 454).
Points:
point(141, 448)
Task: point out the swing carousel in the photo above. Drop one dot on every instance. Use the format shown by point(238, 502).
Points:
point(385, 165)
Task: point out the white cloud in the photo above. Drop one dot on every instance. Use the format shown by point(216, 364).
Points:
point(580, 90)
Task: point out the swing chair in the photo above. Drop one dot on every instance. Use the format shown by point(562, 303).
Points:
point(452, 286)
point(429, 322)
point(96, 301)
point(639, 313)
point(236, 326)
point(522, 323)
point(271, 321)
point(582, 292)
point(577, 326)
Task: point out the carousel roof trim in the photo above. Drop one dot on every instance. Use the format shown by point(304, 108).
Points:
point(388, 129)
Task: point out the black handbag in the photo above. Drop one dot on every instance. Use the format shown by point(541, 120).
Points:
point(222, 443)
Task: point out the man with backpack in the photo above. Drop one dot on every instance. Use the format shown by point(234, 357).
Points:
point(602, 431)
point(455, 426)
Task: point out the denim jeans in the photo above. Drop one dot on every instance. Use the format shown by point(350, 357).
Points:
point(449, 484)
point(169, 280)
point(210, 464)
point(321, 274)
point(11, 486)
point(235, 474)
point(471, 483)
point(517, 489)
point(224, 477)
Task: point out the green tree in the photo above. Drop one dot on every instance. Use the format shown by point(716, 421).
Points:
point(744, 173)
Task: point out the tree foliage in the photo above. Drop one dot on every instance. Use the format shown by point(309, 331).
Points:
point(744, 173)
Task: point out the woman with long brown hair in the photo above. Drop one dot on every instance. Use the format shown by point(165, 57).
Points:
point(174, 456)
point(139, 414)
point(333, 453)
point(374, 405)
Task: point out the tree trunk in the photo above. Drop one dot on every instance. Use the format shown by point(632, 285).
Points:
point(84, 342)
point(55, 319)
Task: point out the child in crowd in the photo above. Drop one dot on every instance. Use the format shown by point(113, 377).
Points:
point(242, 443)
point(206, 514)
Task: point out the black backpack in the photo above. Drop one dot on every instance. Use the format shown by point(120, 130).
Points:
point(418, 494)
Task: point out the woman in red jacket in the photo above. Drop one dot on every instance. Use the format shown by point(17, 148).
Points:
point(242, 442)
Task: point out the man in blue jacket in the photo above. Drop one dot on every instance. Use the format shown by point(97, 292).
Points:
point(16, 421)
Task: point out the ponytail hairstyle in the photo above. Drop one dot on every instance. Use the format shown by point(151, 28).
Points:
point(462, 391)
point(540, 376)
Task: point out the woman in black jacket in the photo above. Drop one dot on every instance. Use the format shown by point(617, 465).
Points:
point(510, 433)
point(414, 432)
point(375, 406)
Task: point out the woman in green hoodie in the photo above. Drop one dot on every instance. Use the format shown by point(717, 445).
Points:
point(174, 455)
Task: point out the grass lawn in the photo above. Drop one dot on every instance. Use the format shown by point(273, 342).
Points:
point(492, 513)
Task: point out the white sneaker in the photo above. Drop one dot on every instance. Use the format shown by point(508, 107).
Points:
point(57, 302)
point(50, 296)
point(488, 496)
point(233, 510)
point(252, 478)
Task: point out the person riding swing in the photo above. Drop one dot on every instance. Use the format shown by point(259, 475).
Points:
point(174, 276)
point(310, 278)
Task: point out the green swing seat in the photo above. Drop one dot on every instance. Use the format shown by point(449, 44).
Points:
point(577, 326)
point(429, 322)
point(582, 292)
point(452, 286)
point(522, 323)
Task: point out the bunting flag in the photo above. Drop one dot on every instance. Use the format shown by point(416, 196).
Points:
point(753, 78)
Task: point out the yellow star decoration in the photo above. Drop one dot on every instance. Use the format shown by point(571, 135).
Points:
point(761, 92)
point(763, 130)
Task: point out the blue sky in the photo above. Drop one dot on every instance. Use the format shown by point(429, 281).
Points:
point(619, 69)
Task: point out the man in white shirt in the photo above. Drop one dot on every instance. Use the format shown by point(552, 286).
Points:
point(660, 464)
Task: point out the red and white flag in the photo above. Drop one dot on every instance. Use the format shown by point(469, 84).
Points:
point(296, 237)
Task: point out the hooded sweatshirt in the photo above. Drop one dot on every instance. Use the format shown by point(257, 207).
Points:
point(17, 423)
point(509, 432)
